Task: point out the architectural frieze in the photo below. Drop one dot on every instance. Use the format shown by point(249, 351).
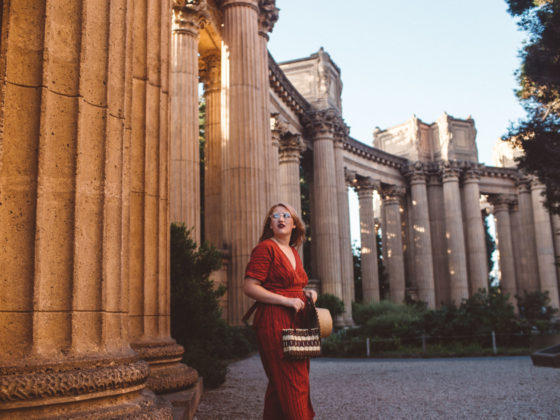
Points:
point(495, 172)
point(285, 90)
point(373, 154)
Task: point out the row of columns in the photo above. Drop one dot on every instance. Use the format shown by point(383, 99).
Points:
point(84, 168)
point(447, 245)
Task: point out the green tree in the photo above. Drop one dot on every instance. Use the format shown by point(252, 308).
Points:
point(538, 135)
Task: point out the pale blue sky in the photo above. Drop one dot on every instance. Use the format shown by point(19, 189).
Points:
point(405, 57)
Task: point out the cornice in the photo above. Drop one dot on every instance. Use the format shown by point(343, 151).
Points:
point(285, 90)
point(373, 154)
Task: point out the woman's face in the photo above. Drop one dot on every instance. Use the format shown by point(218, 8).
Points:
point(281, 222)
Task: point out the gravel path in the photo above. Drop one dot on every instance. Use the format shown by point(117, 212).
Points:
point(470, 388)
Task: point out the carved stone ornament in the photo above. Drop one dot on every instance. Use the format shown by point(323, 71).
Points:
point(268, 15)
point(523, 184)
point(471, 171)
point(209, 70)
point(392, 193)
point(350, 177)
point(415, 172)
point(501, 202)
point(291, 147)
point(189, 15)
point(72, 380)
point(323, 123)
point(450, 170)
point(365, 186)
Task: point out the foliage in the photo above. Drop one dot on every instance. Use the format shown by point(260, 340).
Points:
point(538, 135)
point(196, 320)
point(331, 302)
point(535, 311)
point(386, 319)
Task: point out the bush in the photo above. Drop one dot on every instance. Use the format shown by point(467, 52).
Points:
point(535, 311)
point(334, 304)
point(196, 317)
point(386, 319)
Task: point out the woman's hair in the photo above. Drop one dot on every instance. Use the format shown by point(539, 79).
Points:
point(298, 233)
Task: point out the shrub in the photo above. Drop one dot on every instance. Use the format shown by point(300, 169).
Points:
point(386, 319)
point(535, 311)
point(196, 320)
point(334, 304)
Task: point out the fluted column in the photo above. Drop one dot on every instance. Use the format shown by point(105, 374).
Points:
point(370, 274)
point(475, 237)
point(210, 75)
point(439, 246)
point(185, 152)
point(392, 231)
point(325, 229)
point(505, 244)
point(291, 147)
point(516, 240)
point(149, 303)
point(545, 244)
point(244, 173)
point(454, 233)
point(64, 350)
point(528, 277)
point(346, 259)
point(422, 241)
point(268, 15)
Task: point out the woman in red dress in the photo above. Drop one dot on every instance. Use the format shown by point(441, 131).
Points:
point(275, 279)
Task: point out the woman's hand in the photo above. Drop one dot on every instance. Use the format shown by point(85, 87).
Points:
point(311, 294)
point(295, 303)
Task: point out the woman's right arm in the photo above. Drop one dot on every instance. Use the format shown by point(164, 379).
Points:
point(254, 289)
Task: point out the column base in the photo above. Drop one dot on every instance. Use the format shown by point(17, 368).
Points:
point(185, 403)
point(79, 389)
point(167, 374)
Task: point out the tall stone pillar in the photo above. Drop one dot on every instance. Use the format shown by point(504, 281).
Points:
point(545, 244)
point(528, 277)
point(421, 240)
point(454, 233)
point(556, 237)
point(149, 301)
point(439, 246)
point(475, 236)
point(185, 159)
point(370, 274)
point(326, 232)
point(346, 259)
point(505, 245)
point(243, 172)
point(290, 149)
point(516, 240)
point(268, 15)
point(392, 231)
point(210, 75)
point(64, 350)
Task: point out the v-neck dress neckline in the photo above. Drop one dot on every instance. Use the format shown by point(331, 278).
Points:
point(293, 267)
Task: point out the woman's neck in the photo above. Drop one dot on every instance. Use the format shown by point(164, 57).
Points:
point(282, 240)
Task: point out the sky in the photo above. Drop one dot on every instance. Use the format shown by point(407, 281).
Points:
point(400, 58)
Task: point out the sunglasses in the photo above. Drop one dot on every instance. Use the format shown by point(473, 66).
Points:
point(278, 215)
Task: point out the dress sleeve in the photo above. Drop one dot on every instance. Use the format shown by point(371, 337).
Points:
point(260, 262)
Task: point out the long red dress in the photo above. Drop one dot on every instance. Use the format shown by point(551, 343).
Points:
point(287, 395)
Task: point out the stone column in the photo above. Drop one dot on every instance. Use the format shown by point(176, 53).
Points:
point(210, 75)
point(185, 159)
point(64, 350)
point(528, 277)
point(149, 303)
point(421, 240)
point(291, 147)
point(454, 233)
point(326, 233)
point(392, 231)
point(516, 240)
point(439, 247)
point(370, 274)
point(243, 172)
point(556, 236)
point(268, 15)
point(505, 245)
point(545, 244)
point(474, 232)
point(346, 259)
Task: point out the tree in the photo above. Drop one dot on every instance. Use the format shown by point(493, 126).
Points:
point(538, 135)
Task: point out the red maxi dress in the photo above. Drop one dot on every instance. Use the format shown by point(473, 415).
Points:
point(287, 395)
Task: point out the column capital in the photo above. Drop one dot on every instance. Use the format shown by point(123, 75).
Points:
point(209, 71)
point(323, 123)
point(450, 170)
point(350, 177)
point(268, 15)
point(278, 128)
point(501, 202)
point(189, 16)
point(415, 172)
point(392, 194)
point(340, 134)
point(364, 187)
point(523, 184)
point(291, 147)
point(471, 172)
point(253, 4)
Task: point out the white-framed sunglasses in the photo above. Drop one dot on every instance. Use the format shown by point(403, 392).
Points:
point(285, 215)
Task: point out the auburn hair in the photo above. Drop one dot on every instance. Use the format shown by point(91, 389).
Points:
point(298, 233)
